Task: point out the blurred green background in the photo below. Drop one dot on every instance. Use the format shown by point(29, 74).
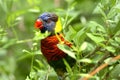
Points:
point(19, 41)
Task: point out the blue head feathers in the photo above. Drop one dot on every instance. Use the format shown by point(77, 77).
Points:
point(45, 16)
point(49, 21)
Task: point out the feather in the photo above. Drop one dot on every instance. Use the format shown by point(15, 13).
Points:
point(54, 55)
point(50, 50)
point(58, 27)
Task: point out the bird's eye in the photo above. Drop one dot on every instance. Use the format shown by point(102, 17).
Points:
point(39, 24)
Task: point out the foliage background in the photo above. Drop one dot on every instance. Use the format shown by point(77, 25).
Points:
point(91, 25)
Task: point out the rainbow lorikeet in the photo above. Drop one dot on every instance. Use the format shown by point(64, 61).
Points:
point(54, 56)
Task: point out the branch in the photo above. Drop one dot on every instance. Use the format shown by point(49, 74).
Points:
point(100, 68)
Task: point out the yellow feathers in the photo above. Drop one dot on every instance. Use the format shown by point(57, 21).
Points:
point(58, 26)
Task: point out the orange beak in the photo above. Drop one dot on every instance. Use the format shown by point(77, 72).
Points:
point(39, 24)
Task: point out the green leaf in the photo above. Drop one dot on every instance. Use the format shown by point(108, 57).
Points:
point(99, 55)
point(114, 43)
point(112, 13)
point(32, 74)
point(67, 50)
point(109, 61)
point(105, 2)
point(12, 17)
point(10, 43)
point(112, 2)
point(39, 35)
point(94, 26)
point(80, 37)
point(85, 60)
point(117, 28)
point(83, 46)
point(40, 63)
point(70, 34)
point(117, 39)
point(96, 39)
point(102, 11)
point(110, 48)
point(117, 7)
point(27, 78)
point(68, 68)
point(115, 73)
point(26, 51)
point(34, 10)
point(75, 15)
point(3, 52)
point(4, 6)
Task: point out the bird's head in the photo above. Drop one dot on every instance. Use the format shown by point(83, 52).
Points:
point(48, 22)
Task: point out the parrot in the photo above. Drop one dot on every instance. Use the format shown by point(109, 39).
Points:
point(50, 22)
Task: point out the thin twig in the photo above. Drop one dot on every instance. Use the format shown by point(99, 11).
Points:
point(100, 68)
